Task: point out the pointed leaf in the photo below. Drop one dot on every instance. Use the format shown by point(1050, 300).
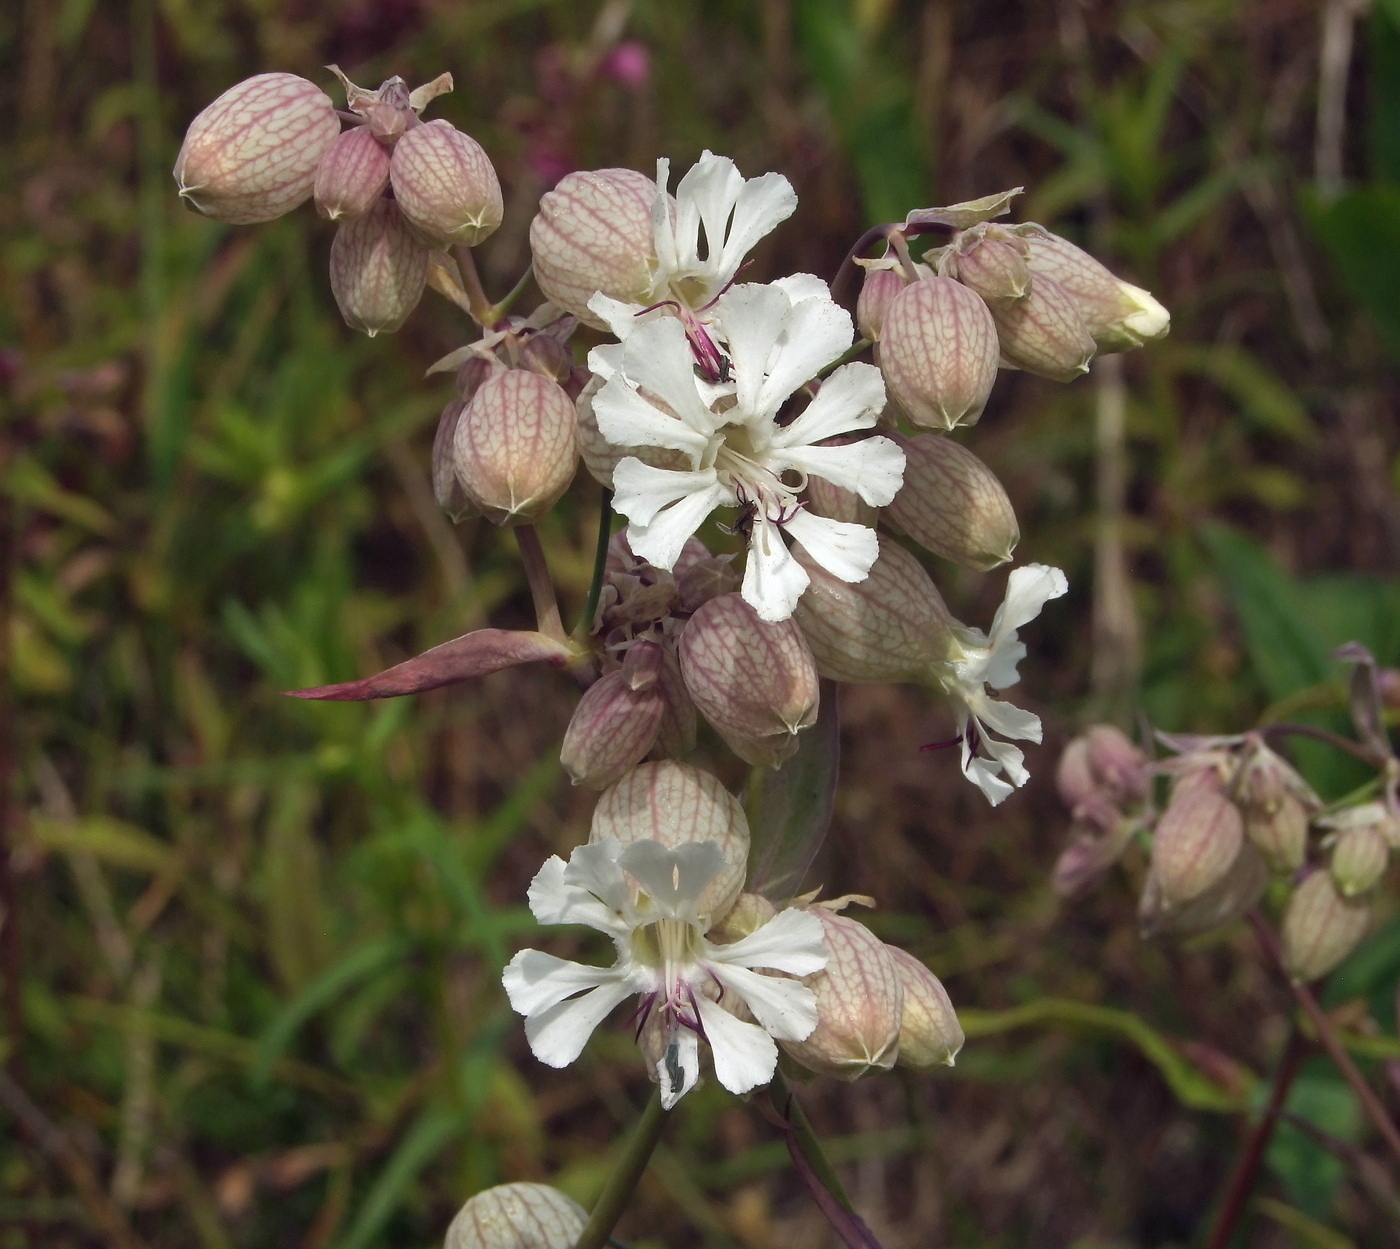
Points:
point(463, 658)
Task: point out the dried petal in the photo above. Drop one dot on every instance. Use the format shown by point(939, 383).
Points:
point(1116, 314)
point(969, 213)
point(378, 270)
point(952, 504)
point(593, 232)
point(517, 1216)
point(1197, 839)
point(252, 154)
point(677, 804)
point(938, 352)
point(1359, 859)
point(516, 446)
point(755, 682)
point(860, 1003)
point(1321, 927)
point(445, 184)
point(1043, 333)
point(612, 729)
point(929, 1032)
point(889, 627)
point(352, 175)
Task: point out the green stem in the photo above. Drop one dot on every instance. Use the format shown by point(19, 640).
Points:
point(806, 1139)
point(1367, 790)
point(497, 311)
point(479, 305)
point(622, 1183)
point(851, 352)
point(600, 566)
point(547, 619)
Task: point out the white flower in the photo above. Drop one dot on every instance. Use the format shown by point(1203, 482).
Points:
point(778, 337)
point(978, 661)
point(663, 956)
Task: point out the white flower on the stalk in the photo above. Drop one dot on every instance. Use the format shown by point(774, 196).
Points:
point(777, 338)
point(978, 661)
point(663, 957)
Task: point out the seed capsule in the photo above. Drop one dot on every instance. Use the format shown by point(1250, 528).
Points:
point(1321, 927)
point(517, 1216)
point(593, 232)
point(676, 804)
point(876, 294)
point(860, 1003)
point(929, 1032)
point(378, 270)
point(1043, 333)
point(890, 627)
point(1240, 888)
point(516, 446)
point(952, 504)
point(1359, 859)
point(612, 729)
point(755, 682)
point(1197, 839)
point(252, 154)
point(992, 264)
point(828, 499)
point(445, 184)
point(938, 352)
point(1117, 314)
point(352, 175)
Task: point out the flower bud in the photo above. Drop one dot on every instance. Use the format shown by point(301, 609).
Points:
point(1074, 775)
point(1117, 315)
point(593, 233)
point(1043, 333)
point(929, 1032)
point(378, 270)
point(992, 265)
point(1118, 766)
point(876, 293)
point(860, 1003)
point(1240, 888)
point(517, 1216)
point(1197, 839)
point(938, 352)
point(1088, 857)
point(252, 154)
point(612, 729)
point(445, 184)
point(1320, 927)
point(825, 498)
point(1276, 803)
point(952, 504)
point(516, 447)
point(1366, 815)
point(706, 579)
point(676, 804)
point(352, 175)
point(889, 627)
point(546, 355)
point(755, 682)
point(748, 914)
point(446, 488)
point(1359, 859)
point(472, 373)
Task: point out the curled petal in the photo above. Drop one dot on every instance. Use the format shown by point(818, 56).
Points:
point(745, 1056)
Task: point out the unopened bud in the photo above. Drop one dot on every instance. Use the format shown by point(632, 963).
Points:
point(755, 682)
point(612, 729)
point(1088, 857)
point(546, 355)
point(352, 175)
point(952, 504)
point(876, 293)
point(1119, 767)
point(447, 490)
point(1197, 839)
point(445, 184)
point(1359, 859)
point(748, 914)
point(1043, 333)
point(516, 447)
point(252, 154)
point(1321, 927)
point(860, 1003)
point(938, 352)
point(1117, 315)
point(378, 270)
point(1375, 815)
point(675, 736)
point(517, 1216)
point(472, 373)
point(706, 579)
point(929, 1032)
point(677, 804)
point(992, 262)
point(593, 232)
point(825, 498)
point(1276, 803)
point(890, 627)
point(1239, 889)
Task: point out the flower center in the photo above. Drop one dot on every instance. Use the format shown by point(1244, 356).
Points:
point(670, 948)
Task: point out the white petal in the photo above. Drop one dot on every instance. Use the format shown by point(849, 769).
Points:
point(657, 355)
point(619, 317)
point(678, 1068)
point(851, 398)
point(785, 1009)
point(745, 1056)
point(773, 580)
point(1028, 589)
point(983, 774)
point(643, 490)
point(556, 897)
point(1006, 719)
point(873, 467)
point(593, 867)
point(663, 228)
point(753, 317)
point(843, 548)
point(557, 1035)
point(659, 536)
point(791, 941)
point(605, 360)
point(998, 667)
point(762, 203)
point(800, 286)
point(535, 981)
point(674, 879)
point(625, 419)
point(815, 333)
point(707, 194)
